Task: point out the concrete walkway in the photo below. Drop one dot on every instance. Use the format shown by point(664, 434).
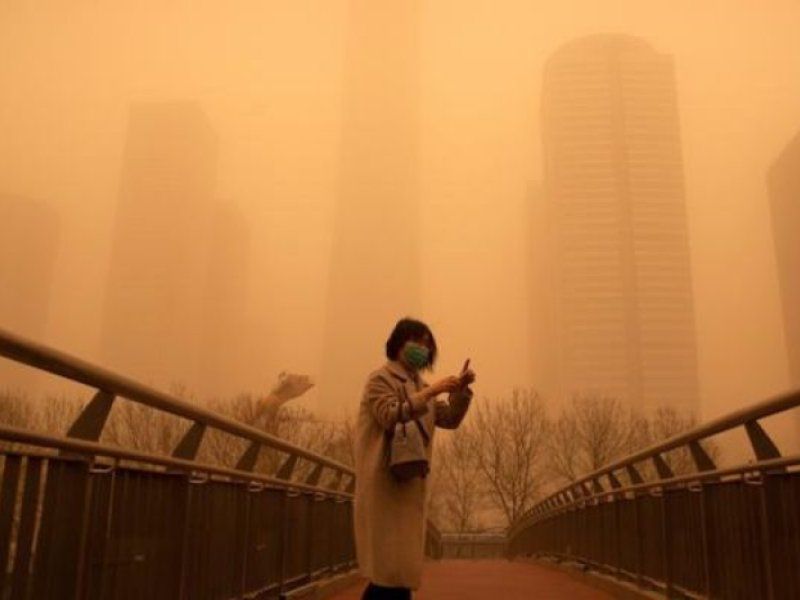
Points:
point(494, 580)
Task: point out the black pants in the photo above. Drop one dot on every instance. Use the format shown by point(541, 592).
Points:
point(378, 592)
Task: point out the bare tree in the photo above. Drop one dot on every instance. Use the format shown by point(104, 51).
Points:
point(16, 410)
point(342, 445)
point(510, 438)
point(461, 484)
point(592, 432)
point(139, 427)
point(667, 422)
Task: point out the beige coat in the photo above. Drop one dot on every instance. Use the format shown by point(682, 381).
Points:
point(390, 515)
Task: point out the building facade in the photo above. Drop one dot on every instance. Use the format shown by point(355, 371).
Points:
point(784, 193)
point(29, 231)
point(157, 282)
point(622, 307)
point(374, 269)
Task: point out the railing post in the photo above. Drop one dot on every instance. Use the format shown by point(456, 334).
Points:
point(637, 520)
point(80, 575)
point(701, 489)
point(189, 444)
point(144, 530)
point(766, 551)
point(90, 422)
point(247, 461)
point(667, 541)
point(702, 461)
point(248, 497)
point(309, 541)
point(185, 539)
point(762, 444)
point(284, 538)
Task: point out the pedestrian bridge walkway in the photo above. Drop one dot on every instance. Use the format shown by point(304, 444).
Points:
point(493, 580)
point(80, 518)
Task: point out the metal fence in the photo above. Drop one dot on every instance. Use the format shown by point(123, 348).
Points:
point(718, 533)
point(81, 519)
point(473, 545)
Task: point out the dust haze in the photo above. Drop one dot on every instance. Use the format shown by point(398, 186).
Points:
point(583, 197)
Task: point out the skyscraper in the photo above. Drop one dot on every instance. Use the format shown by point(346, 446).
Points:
point(374, 270)
point(225, 304)
point(28, 247)
point(157, 277)
point(784, 192)
point(614, 179)
point(540, 323)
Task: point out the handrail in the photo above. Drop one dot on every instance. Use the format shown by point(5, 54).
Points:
point(673, 531)
point(735, 419)
point(83, 447)
point(39, 356)
point(191, 527)
point(691, 478)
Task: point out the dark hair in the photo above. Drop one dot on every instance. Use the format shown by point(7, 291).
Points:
point(410, 329)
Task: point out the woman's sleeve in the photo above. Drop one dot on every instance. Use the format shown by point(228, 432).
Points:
point(384, 402)
point(450, 414)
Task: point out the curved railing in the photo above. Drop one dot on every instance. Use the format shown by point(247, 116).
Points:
point(83, 519)
point(729, 532)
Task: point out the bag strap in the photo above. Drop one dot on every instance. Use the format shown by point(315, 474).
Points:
point(425, 436)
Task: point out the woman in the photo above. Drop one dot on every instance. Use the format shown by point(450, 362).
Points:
point(390, 514)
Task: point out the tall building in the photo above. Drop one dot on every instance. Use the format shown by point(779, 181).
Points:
point(540, 323)
point(624, 316)
point(157, 278)
point(784, 192)
point(223, 360)
point(374, 270)
point(28, 247)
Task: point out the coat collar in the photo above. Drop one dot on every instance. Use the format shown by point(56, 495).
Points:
point(396, 369)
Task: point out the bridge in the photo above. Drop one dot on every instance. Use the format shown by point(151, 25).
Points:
point(84, 519)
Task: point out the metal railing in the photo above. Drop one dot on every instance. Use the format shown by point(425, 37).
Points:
point(473, 545)
point(83, 519)
point(716, 532)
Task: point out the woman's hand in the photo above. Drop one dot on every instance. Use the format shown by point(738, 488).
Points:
point(466, 378)
point(445, 385)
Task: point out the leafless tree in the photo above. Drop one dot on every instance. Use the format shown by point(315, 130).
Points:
point(342, 444)
point(139, 427)
point(16, 410)
point(590, 433)
point(510, 438)
point(667, 422)
point(460, 488)
point(593, 432)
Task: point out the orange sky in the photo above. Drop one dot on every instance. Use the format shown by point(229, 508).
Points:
point(270, 76)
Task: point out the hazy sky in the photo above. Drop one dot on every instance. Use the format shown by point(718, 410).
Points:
point(270, 77)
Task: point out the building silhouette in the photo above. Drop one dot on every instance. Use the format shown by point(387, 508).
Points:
point(541, 327)
point(374, 269)
point(155, 308)
point(784, 194)
point(29, 231)
point(223, 360)
point(623, 307)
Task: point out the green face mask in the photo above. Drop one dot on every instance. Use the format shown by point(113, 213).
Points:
point(416, 355)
